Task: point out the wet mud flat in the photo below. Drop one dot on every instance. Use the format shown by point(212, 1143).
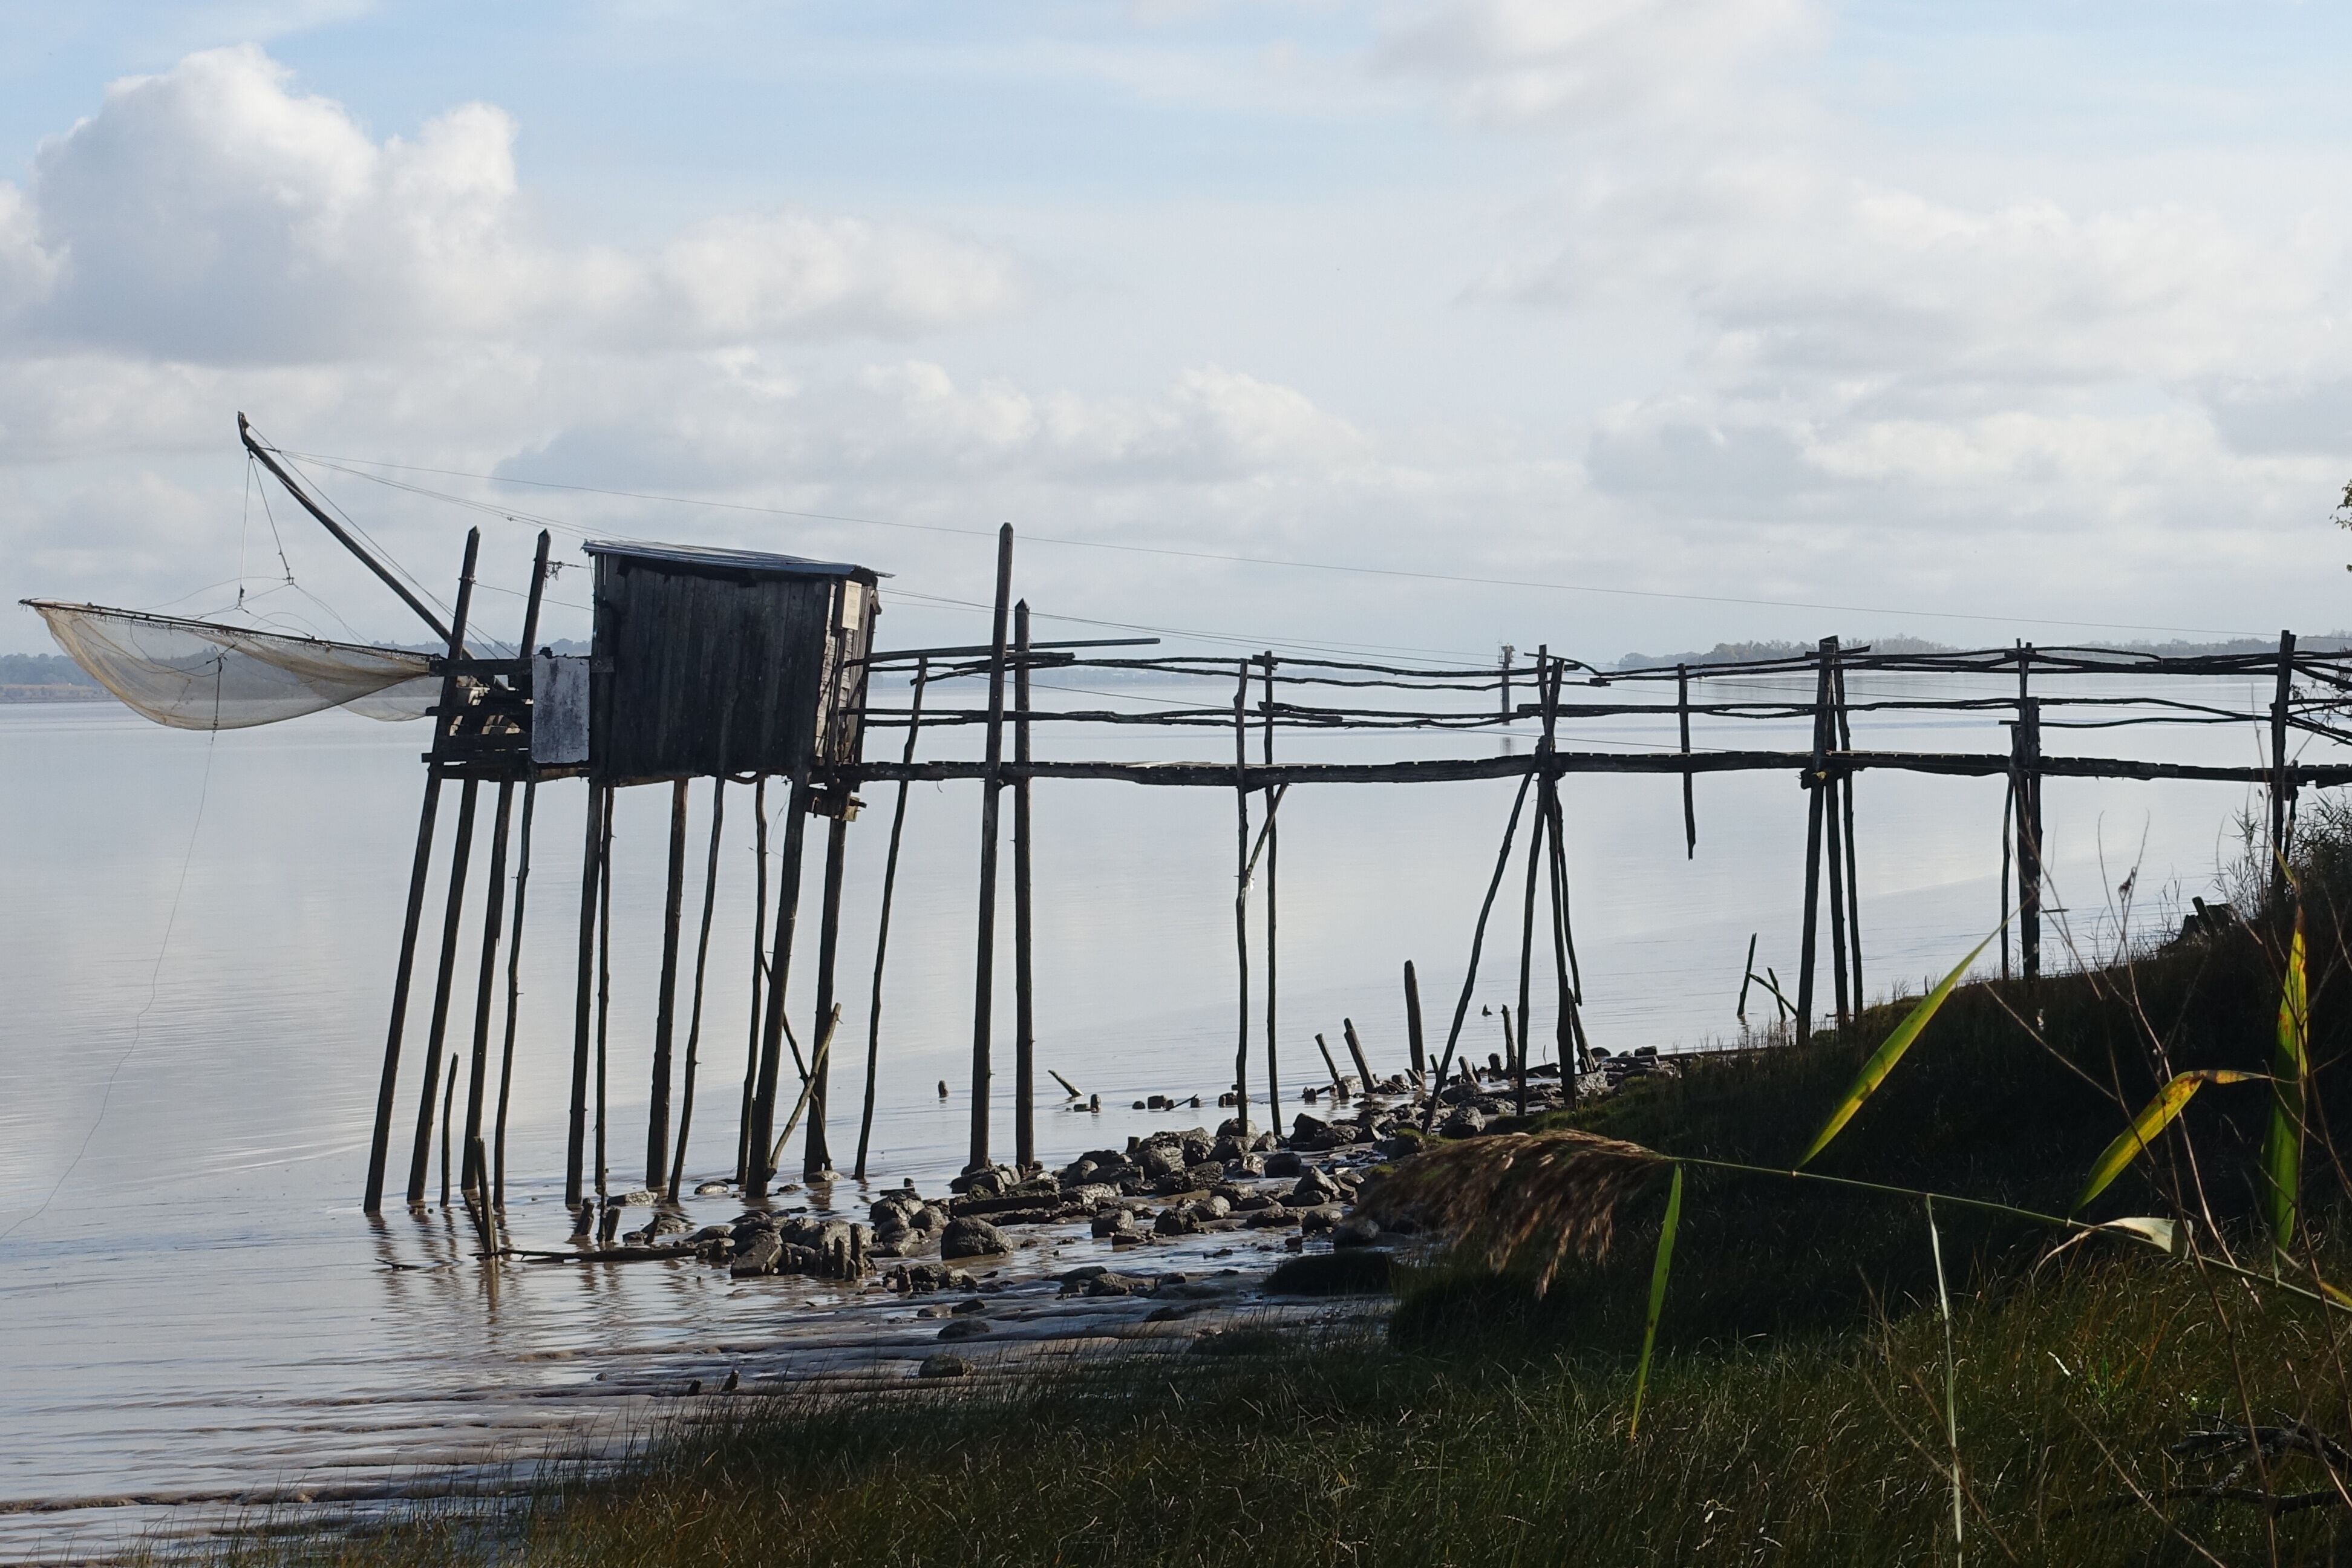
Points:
point(1169, 1247)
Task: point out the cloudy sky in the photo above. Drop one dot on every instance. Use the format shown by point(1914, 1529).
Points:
point(1616, 323)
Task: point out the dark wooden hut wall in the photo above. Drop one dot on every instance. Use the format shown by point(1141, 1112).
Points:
point(711, 670)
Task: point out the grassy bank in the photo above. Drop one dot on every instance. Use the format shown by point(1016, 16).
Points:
point(1825, 1448)
point(1797, 1411)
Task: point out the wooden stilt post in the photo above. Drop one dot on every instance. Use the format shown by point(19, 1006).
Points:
point(2282, 787)
point(1477, 945)
point(1355, 1053)
point(445, 717)
point(780, 968)
point(983, 1006)
point(1690, 805)
point(882, 931)
point(584, 998)
point(1519, 1055)
point(1816, 773)
point(603, 989)
point(2029, 837)
point(1414, 1043)
point(2008, 841)
point(514, 1001)
point(1241, 895)
point(521, 683)
point(494, 910)
point(1024, 1002)
point(666, 1001)
point(1272, 847)
point(701, 969)
point(420, 1155)
point(379, 1147)
point(1833, 831)
point(759, 975)
point(1568, 1036)
point(1338, 1083)
point(816, 1160)
point(1852, 867)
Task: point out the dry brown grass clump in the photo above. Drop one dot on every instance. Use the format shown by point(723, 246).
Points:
point(1526, 1199)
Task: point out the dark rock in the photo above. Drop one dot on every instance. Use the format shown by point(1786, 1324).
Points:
point(1179, 1221)
point(1283, 1163)
point(1361, 1230)
point(970, 1237)
point(1160, 1162)
point(1314, 1189)
point(755, 1256)
point(1207, 1173)
point(942, 1364)
point(1115, 1222)
point(965, 1309)
point(1170, 1313)
point(1275, 1218)
point(1322, 1217)
point(1109, 1284)
point(1357, 1272)
point(1467, 1121)
point(965, 1329)
point(920, 1278)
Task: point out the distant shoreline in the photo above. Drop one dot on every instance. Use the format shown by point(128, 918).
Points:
point(56, 693)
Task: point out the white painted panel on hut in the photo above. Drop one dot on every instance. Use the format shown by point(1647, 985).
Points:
point(559, 709)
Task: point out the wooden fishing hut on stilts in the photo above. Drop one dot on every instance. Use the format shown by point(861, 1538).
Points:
point(731, 666)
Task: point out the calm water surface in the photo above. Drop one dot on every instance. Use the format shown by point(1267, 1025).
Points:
point(198, 935)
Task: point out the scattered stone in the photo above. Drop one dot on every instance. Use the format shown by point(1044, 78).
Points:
point(965, 1329)
point(970, 1237)
point(941, 1363)
point(1361, 1230)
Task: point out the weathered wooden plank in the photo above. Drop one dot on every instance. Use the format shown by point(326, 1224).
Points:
point(1455, 770)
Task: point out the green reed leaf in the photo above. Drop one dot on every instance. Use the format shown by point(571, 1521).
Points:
point(1882, 1061)
point(1658, 1272)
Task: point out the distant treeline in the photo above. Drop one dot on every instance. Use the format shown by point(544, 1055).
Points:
point(1739, 652)
point(42, 669)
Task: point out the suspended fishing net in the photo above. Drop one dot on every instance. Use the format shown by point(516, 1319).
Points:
point(199, 675)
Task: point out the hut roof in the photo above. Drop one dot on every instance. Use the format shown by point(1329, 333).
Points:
point(709, 558)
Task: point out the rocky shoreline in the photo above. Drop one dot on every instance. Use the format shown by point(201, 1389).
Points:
point(1298, 1190)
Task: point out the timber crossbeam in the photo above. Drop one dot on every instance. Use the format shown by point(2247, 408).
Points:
point(1451, 770)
